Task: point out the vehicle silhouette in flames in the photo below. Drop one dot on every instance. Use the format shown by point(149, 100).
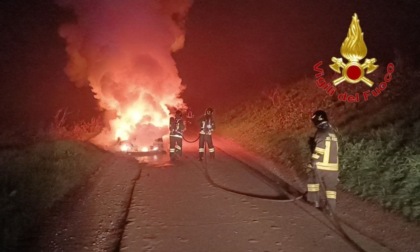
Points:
point(131, 149)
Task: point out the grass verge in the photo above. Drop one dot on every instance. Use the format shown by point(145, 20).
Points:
point(378, 138)
point(34, 177)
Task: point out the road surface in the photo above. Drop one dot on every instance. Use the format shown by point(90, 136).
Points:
point(184, 206)
point(152, 204)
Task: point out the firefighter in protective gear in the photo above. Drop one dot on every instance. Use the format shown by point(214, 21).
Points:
point(176, 130)
point(323, 169)
point(207, 127)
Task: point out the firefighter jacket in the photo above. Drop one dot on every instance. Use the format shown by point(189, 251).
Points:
point(190, 114)
point(176, 127)
point(207, 125)
point(325, 153)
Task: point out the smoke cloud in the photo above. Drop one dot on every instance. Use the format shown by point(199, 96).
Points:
point(123, 50)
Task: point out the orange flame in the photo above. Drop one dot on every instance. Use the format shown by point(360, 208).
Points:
point(123, 49)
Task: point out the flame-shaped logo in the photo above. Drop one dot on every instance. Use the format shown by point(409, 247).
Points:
point(353, 49)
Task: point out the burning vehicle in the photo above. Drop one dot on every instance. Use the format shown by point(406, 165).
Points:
point(142, 140)
point(130, 148)
point(133, 76)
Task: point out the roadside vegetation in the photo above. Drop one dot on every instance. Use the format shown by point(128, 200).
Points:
point(39, 169)
point(379, 138)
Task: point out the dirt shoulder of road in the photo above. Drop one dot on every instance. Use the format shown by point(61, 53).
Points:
point(389, 229)
point(93, 217)
point(370, 219)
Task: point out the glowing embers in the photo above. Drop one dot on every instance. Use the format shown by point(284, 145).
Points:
point(129, 147)
point(126, 147)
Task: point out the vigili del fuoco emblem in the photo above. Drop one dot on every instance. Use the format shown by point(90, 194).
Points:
point(353, 49)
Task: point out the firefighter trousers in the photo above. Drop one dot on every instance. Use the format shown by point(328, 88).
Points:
point(322, 188)
point(175, 146)
point(204, 138)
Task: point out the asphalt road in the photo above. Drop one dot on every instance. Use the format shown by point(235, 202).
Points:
point(218, 205)
point(177, 207)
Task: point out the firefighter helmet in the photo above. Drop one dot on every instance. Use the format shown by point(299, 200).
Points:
point(209, 111)
point(178, 113)
point(319, 117)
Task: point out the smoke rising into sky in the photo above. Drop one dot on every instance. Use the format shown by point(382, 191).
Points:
point(123, 50)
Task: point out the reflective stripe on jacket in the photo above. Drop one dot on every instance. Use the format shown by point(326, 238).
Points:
point(325, 154)
point(176, 127)
point(207, 125)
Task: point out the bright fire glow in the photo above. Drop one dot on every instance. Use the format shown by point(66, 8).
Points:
point(125, 147)
point(122, 49)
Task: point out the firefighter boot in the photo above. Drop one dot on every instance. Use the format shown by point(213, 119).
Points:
point(178, 151)
point(172, 154)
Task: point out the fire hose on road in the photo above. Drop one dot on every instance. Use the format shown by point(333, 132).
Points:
point(333, 218)
point(265, 197)
point(186, 140)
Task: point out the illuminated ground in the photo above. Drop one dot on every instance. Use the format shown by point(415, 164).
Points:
point(164, 206)
point(175, 208)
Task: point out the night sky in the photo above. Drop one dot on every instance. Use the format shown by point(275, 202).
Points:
point(238, 47)
point(233, 48)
